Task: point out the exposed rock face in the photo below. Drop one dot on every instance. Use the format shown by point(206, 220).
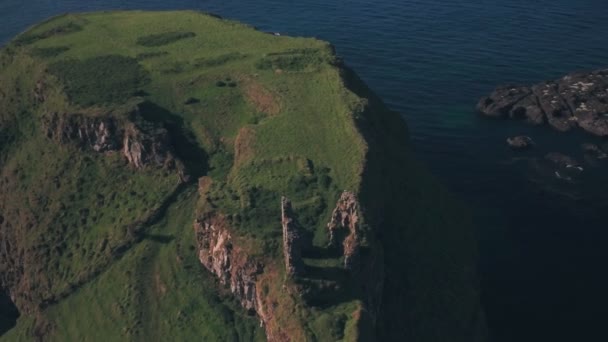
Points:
point(143, 148)
point(141, 143)
point(345, 217)
point(220, 253)
point(39, 95)
point(520, 142)
point(227, 262)
point(98, 133)
point(292, 240)
point(576, 100)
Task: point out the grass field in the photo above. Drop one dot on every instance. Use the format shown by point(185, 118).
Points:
point(109, 251)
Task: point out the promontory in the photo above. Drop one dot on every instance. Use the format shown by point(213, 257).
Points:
point(174, 176)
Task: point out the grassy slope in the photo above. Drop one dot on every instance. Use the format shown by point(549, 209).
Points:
point(274, 117)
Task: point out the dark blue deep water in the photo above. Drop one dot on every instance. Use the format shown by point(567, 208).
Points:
point(543, 242)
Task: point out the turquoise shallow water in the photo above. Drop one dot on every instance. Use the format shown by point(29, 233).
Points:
point(542, 241)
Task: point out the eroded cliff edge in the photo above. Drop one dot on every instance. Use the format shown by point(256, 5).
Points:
point(405, 249)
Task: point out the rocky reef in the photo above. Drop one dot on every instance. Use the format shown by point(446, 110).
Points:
point(577, 100)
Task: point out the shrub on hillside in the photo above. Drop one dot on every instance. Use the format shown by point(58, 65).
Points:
point(99, 80)
point(163, 38)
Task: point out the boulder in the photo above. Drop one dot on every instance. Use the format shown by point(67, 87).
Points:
point(520, 142)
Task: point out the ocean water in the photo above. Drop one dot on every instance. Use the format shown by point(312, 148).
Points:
point(542, 241)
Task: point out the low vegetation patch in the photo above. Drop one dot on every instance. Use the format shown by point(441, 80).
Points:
point(165, 38)
point(149, 55)
point(292, 60)
point(217, 61)
point(49, 52)
point(67, 28)
point(100, 80)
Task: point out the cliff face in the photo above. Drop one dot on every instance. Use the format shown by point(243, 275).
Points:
point(141, 143)
point(229, 263)
point(225, 257)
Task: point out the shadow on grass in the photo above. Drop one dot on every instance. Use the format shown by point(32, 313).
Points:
point(164, 239)
point(336, 274)
point(184, 143)
point(316, 252)
point(8, 313)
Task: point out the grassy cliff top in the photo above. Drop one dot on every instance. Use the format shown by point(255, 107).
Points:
point(212, 117)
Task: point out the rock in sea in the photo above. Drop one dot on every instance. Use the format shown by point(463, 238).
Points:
point(520, 142)
point(577, 100)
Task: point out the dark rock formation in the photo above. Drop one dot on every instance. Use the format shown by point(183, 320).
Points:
point(520, 142)
point(345, 217)
point(292, 240)
point(576, 100)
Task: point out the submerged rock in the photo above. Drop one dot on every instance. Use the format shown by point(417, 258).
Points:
point(520, 142)
point(594, 150)
point(576, 100)
point(561, 159)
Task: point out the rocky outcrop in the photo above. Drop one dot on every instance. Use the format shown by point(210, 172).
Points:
point(576, 100)
point(39, 92)
point(141, 143)
point(344, 229)
point(146, 147)
point(292, 240)
point(247, 277)
point(233, 267)
point(100, 134)
point(520, 142)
